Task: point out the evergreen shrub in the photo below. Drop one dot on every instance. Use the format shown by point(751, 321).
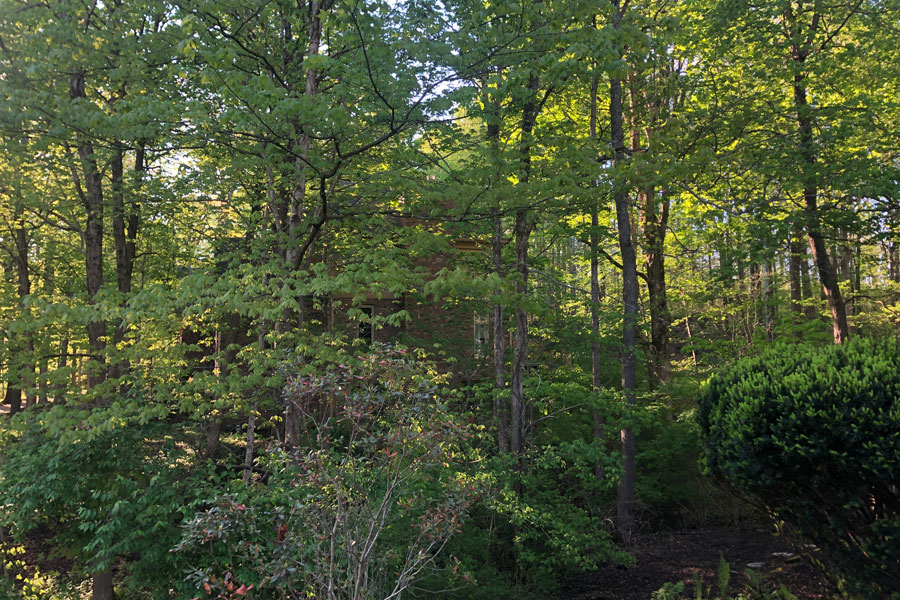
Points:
point(813, 433)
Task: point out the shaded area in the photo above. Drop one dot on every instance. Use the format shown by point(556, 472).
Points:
point(676, 556)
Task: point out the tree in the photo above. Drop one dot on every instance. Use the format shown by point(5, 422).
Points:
point(803, 47)
point(87, 111)
point(625, 503)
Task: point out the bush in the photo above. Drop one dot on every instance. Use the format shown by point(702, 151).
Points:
point(814, 434)
point(364, 509)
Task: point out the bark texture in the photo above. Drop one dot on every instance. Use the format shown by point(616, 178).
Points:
point(625, 494)
point(523, 226)
point(91, 195)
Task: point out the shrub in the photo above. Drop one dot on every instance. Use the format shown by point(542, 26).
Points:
point(362, 511)
point(814, 435)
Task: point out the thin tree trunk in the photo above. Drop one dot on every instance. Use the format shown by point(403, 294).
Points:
point(625, 496)
point(596, 357)
point(845, 256)
point(523, 226)
point(500, 408)
point(769, 308)
point(755, 299)
point(520, 348)
point(806, 284)
point(894, 261)
point(61, 363)
point(893, 246)
point(28, 375)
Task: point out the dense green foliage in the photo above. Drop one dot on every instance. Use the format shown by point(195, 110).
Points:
point(814, 434)
point(361, 511)
point(367, 263)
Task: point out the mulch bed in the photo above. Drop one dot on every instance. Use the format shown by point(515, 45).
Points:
point(677, 556)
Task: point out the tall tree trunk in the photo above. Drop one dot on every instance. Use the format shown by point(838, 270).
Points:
point(42, 366)
point(296, 211)
point(806, 284)
point(500, 408)
point(625, 496)
point(520, 348)
point(124, 235)
point(91, 195)
point(251, 418)
point(523, 227)
point(687, 327)
point(61, 363)
point(596, 357)
point(124, 226)
point(29, 379)
point(251, 443)
point(296, 247)
point(809, 159)
point(223, 339)
point(894, 261)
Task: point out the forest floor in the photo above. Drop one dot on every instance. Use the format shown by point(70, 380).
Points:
point(675, 556)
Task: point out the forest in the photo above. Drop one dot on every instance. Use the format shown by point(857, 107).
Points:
point(463, 299)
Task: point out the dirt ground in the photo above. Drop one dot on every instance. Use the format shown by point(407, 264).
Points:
point(676, 556)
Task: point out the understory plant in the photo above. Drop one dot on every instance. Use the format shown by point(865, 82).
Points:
point(110, 499)
point(813, 434)
point(363, 508)
point(756, 588)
